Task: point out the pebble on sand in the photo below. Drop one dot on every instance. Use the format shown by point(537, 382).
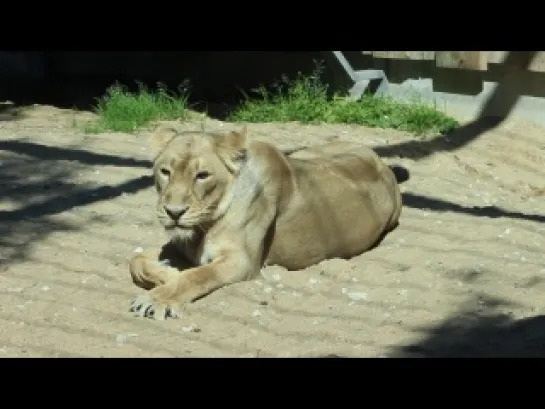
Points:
point(357, 295)
point(120, 339)
point(191, 328)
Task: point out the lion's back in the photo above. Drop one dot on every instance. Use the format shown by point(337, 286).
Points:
point(345, 198)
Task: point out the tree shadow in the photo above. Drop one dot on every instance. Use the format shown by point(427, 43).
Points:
point(46, 152)
point(62, 195)
point(502, 101)
point(480, 332)
point(477, 330)
point(453, 141)
point(424, 202)
point(77, 198)
point(37, 181)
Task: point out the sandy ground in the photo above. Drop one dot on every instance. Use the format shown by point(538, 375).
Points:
point(463, 275)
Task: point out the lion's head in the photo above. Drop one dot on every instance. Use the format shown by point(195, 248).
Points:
point(193, 172)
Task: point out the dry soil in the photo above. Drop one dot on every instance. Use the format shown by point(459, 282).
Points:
point(463, 274)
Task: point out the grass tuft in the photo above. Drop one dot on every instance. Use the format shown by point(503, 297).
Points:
point(123, 111)
point(306, 100)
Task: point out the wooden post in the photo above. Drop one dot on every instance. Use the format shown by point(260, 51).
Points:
point(404, 55)
point(470, 60)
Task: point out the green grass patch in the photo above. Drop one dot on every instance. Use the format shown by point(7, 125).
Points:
point(306, 100)
point(303, 100)
point(123, 111)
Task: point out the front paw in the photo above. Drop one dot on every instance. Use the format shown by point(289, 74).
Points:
point(150, 273)
point(145, 306)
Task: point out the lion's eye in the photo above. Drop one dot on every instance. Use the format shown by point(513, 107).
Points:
point(165, 172)
point(202, 175)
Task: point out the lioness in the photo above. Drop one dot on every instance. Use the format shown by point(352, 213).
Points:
point(232, 206)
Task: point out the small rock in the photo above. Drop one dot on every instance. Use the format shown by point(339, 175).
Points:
point(138, 250)
point(15, 290)
point(46, 288)
point(312, 281)
point(191, 328)
point(256, 314)
point(22, 306)
point(120, 339)
point(267, 289)
point(263, 303)
point(276, 277)
point(357, 295)
point(84, 281)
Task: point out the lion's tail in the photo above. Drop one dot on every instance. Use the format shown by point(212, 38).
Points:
point(401, 174)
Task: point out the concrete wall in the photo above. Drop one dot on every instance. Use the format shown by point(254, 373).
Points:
point(506, 87)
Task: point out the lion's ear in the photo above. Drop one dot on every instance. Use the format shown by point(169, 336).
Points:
point(233, 140)
point(231, 148)
point(160, 138)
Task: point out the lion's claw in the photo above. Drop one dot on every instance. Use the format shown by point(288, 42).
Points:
point(144, 306)
point(170, 313)
point(135, 305)
point(149, 311)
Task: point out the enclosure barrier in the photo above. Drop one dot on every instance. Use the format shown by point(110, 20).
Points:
point(465, 60)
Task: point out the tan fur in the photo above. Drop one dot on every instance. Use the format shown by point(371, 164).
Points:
point(256, 207)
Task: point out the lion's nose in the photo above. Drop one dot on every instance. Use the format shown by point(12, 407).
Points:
point(175, 212)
